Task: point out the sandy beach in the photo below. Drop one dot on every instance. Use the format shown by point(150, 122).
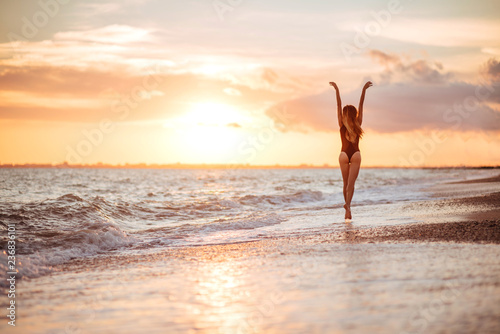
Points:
point(425, 277)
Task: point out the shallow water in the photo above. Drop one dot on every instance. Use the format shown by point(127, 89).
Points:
point(274, 287)
point(62, 214)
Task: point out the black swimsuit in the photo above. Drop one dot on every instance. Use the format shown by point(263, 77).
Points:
point(348, 147)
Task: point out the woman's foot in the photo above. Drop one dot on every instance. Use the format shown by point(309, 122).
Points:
point(347, 212)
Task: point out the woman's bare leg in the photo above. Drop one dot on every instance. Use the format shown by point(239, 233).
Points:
point(353, 175)
point(344, 168)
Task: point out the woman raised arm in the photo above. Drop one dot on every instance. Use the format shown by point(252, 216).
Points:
point(339, 103)
point(362, 100)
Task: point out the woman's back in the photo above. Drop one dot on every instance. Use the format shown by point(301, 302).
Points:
point(347, 146)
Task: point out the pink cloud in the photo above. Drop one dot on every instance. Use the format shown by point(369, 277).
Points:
point(416, 70)
point(492, 70)
point(424, 101)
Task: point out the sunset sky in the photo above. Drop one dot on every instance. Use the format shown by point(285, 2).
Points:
point(246, 81)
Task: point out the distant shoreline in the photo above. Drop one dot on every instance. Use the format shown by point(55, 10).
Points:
point(217, 166)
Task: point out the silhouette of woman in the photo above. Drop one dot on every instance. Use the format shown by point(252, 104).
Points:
point(350, 132)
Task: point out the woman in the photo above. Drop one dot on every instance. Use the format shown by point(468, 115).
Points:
point(350, 132)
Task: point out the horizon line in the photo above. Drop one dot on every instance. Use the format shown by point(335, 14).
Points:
point(180, 165)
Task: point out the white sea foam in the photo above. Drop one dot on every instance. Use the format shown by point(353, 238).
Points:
point(247, 223)
point(82, 243)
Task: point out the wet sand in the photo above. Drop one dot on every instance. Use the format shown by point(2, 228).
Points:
point(483, 180)
point(418, 278)
point(487, 232)
point(484, 226)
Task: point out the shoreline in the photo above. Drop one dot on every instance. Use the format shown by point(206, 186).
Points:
point(476, 232)
point(483, 180)
point(482, 223)
point(481, 227)
point(465, 233)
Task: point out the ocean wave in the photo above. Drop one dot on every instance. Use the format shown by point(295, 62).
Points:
point(73, 208)
point(61, 246)
point(213, 204)
point(186, 233)
point(70, 198)
point(250, 221)
point(302, 196)
point(246, 223)
point(70, 209)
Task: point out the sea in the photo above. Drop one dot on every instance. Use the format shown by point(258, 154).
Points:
point(63, 214)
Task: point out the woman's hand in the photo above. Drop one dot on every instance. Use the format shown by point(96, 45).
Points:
point(334, 85)
point(367, 85)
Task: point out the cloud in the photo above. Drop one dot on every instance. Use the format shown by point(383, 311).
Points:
point(100, 8)
point(232, 91)
point(125, 48)
point(492, 69)
point(269, 76)
point(418, 70)
point(72, 94)
point(315, 112)
point(112, 34)
point(474, 32)
point(62, 81)
point(491, 75)
point(424, 101)
point(110, 6)
point(405, 107)
point(396, 108)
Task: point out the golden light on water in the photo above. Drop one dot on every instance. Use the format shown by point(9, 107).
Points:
point(222, 302)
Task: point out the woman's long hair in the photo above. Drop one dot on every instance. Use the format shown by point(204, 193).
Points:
point(351, 123)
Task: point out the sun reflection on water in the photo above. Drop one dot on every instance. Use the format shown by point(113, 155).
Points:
point(221, 299)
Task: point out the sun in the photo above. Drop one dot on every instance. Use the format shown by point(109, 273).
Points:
point(209, 132)
point(212, 114)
